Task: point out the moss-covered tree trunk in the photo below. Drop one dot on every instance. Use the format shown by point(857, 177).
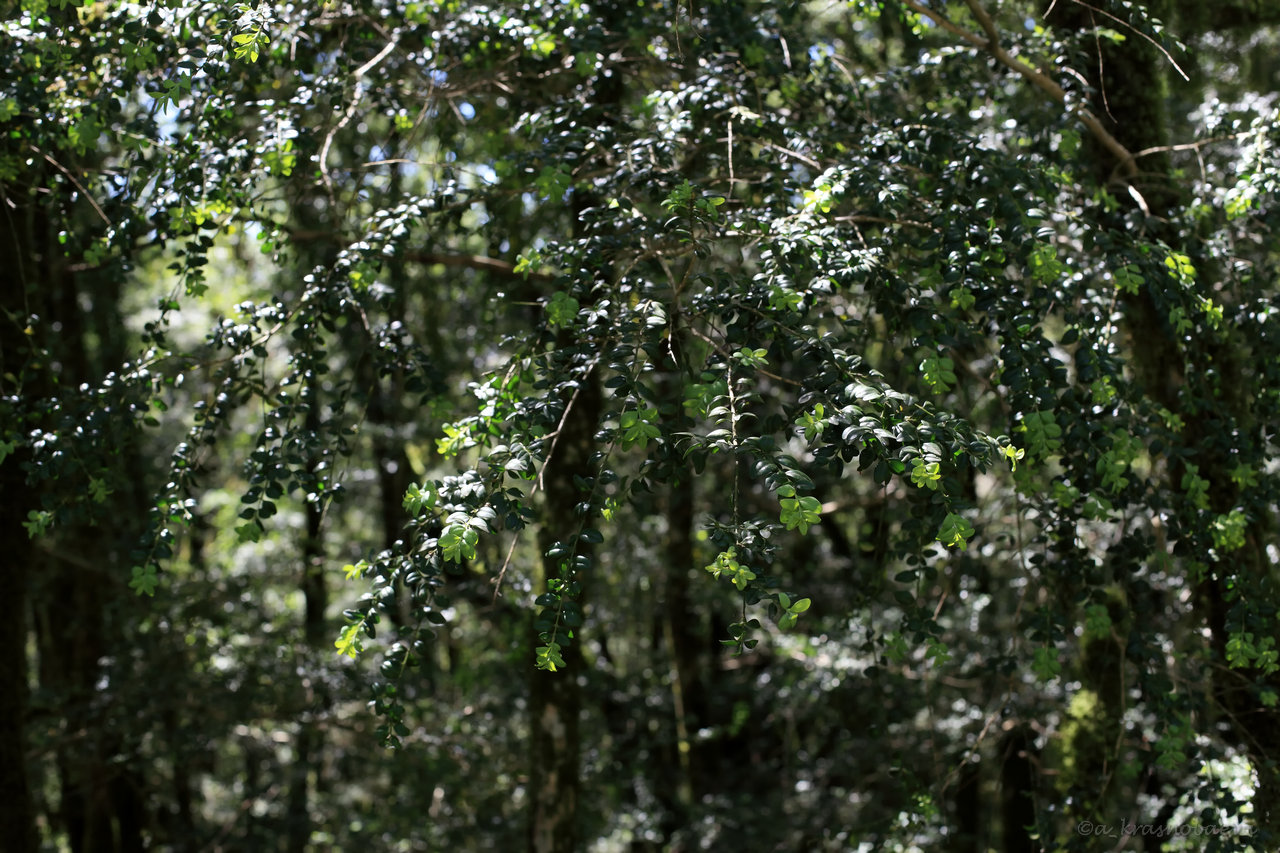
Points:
point(1131, 93)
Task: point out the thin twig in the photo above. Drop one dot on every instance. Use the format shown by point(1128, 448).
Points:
point(803, 159)
point(883, 220)
point(502, 573)
point(731, 177)
point(726, 354)
point(1102, 81)
point(1186, 146)
point(1039, 79)
point(356, 97)
point(72, 178)
point(1133, 29)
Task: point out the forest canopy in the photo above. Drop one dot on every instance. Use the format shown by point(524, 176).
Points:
point(639, 426)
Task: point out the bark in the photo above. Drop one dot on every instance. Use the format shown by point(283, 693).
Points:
point(555, 698)
point(1132, 83)
point(17, 807)
point(185, 757)
point(968, 808)
point(72, 578)
point(309, 742)
point(78, 603)
point(1017, 784)
point(682, 777)
point(683, 639)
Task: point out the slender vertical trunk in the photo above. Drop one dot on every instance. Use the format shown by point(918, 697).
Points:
point(315, 594)
point(183, 834)
point(314, 590)
point(681, 636)
point(1017, 784)
point(79, 604)
point(555, 698)
point(17, 812)
point(968, 808)
point(387, 415)
point(681, 627)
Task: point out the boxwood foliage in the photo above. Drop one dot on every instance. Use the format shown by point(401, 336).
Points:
point(976, 397)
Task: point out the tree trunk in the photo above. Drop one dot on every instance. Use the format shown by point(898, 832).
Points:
point(555, 698)
point(680, 626)
point(17, 806)
point(315, 631)
point(73, 580)
point(1131, 87)
point(1017, 791)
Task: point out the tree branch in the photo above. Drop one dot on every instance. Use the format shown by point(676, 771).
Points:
point(475, 262)
point(356, 97)
point(482, 263)
point(1132, 29)
point(63, 169)
point(991, 44)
